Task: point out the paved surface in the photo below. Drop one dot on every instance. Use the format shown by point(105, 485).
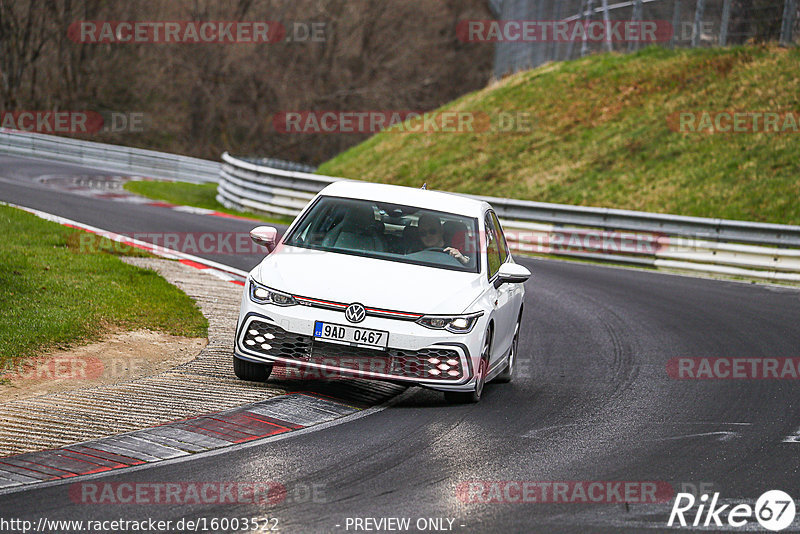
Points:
point(205, 384)
point(593, 402)
point(277, 415)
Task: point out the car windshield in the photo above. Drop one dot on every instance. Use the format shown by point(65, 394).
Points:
point(389, 232)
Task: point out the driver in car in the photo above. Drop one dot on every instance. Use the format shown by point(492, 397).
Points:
point(430, 233)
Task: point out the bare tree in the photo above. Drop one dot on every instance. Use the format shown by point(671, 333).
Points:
point(23, 36)
point(202, 99)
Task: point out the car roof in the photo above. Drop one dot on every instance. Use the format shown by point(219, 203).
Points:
point(408, 196)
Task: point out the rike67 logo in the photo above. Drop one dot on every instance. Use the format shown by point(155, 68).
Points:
point(774, 510)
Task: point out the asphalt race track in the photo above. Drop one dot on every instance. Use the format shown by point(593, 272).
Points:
point(592, 401)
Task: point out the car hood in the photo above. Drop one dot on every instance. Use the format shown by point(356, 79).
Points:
point(372, 282)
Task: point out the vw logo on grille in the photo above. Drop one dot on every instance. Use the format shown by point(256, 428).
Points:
point(355, 313)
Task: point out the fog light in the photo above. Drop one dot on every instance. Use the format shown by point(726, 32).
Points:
point(252, 332)
point(269, 336)
point(260, 339)
point(443, 367)
point(434, 361)
point(453, 373)
point(434, 372)
point(265, 346)
point(452, 363)
point(250, 342)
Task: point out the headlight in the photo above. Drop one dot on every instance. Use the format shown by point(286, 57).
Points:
point(458, 324)
point(264, 295)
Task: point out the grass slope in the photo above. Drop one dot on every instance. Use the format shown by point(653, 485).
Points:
point(600, 137)
point(53, 293)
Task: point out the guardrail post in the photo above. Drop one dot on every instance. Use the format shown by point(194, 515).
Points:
point(787, 25)
point(726, 18)
point(571, 42)
point(635, 17)
point(587, 17)
point(676, 21)
point(541, 47)
point(607, 23)
point(698, 22)
point(555, 47)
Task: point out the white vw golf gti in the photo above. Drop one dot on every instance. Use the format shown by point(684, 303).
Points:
point(386, 282)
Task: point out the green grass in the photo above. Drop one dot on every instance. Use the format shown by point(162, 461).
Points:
point(53, 293)
point(189, 194)
point(600, 137)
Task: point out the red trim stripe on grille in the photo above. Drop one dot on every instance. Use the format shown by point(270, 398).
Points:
point(371, 310)
point(325, 302)
point(401, 314)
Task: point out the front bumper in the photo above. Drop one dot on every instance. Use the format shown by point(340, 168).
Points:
point(273, 334)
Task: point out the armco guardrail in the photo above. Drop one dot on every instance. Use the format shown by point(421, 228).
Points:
point(739, 248)
point(112, 158)
point(247, 186)
point(769, 251)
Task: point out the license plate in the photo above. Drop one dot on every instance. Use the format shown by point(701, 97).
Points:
point(351, 335)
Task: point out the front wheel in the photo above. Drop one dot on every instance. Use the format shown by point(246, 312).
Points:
point(471, 397)
point(507, 374)
point(251, 371)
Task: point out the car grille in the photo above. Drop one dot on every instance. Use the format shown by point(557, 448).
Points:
point(429, 363)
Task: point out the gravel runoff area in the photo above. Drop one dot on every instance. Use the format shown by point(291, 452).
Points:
point(202, 385)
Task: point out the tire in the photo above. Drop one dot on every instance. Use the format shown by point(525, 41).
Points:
point(507, 374)
point(471, 397)
point(251, 371)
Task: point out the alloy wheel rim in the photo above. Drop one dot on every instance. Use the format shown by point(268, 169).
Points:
point(481, 378)
point(513, 356)
point(482, 368)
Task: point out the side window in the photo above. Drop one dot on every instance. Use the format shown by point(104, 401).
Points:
point(503, 246)
point(492, 247)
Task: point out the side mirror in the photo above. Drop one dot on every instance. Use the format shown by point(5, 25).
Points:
point(266, 236)
point(511, 273)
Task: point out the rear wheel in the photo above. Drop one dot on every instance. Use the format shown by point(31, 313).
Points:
point(251, 371)
point(471, 397)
